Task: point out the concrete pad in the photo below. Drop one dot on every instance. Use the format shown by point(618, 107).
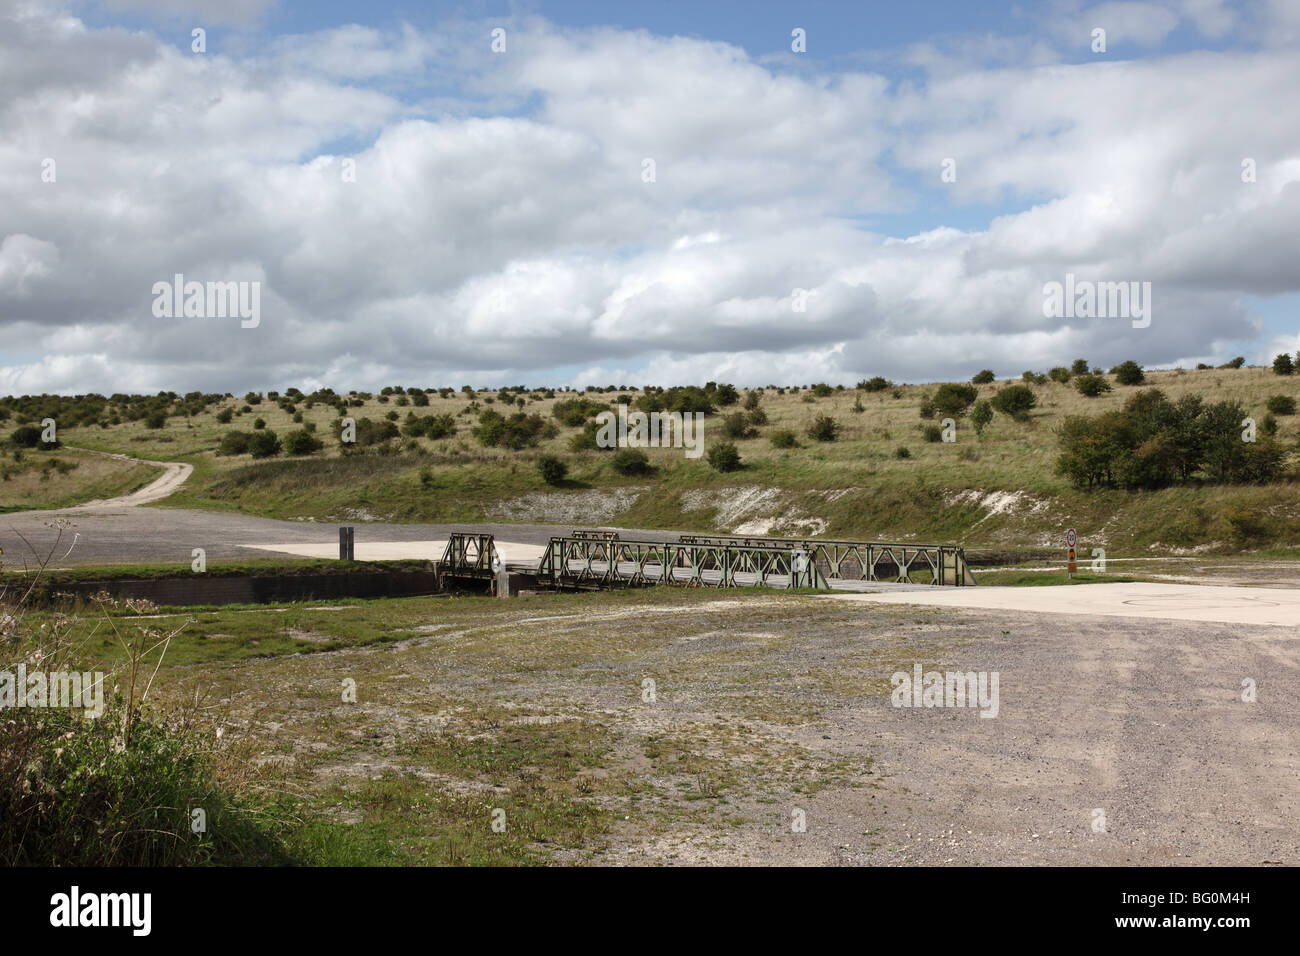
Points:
point(510, 551)
point(1168, 602)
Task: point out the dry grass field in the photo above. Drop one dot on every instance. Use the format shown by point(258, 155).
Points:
point(997, 490)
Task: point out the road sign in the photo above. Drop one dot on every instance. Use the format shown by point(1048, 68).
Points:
point(1070, 539)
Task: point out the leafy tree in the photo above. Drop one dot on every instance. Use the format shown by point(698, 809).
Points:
point(575, 411)
point(264, 444)
point(1281, 405)
point(301, 442)
point(737, 426)
point(951, 399)
point(552, 469)
point(983, 377)
point(727, 395)
point(980, 415)
point(724, 457)
point(1059, 374)
point(874, 384)
point(1090, 386)
point(1282, 365)
point(824, 428)
point(1128, 373)
point(1079, 367)
point(1015, 401)
point(631, 461)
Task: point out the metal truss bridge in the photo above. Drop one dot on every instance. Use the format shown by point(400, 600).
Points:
point(602, 559)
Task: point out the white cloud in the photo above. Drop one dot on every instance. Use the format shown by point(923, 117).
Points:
point(506, 245)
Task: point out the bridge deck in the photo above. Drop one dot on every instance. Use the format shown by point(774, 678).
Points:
point(628, 570)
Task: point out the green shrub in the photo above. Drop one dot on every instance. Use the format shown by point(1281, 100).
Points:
point(902, 452)
point(983, 377)
point(1237, 362)
point(953, 399)
point(1128, 373)
point(263, 444)
point(27, 436)
point(518, 431)
point(430, 426)
point(933, 433)
point(575, 411)
point(824, 428)
point(1153, 442)
point(631, 461)
point(552, 469)
point(724, 457)
point(1059, 374)
point(1281, 405)
point(980, 415)
point(1091, 386)
point(822, 390)
point(1282, 365)
point(1079, 367)
point(301, 442)
point(783, 439)
point(155, 420)
point(875, 384)
point(225, 415)
point(726, 395)
point(259, 423)
point(736, 426)
point(689, 398)
point(1015, 401)
point(234, 443)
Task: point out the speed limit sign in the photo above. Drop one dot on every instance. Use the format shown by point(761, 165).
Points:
point(1070, 566)
point(1070, 538)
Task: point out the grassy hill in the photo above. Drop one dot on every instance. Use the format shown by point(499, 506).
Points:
point(995, 490)
point(68, 476)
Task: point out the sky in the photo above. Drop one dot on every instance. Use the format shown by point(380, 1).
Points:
point(496, 193)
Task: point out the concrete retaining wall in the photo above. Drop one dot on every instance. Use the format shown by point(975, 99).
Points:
point(260, 589)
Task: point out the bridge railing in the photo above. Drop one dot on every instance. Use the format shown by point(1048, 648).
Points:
point(607, 562)
point(468, 556)
point(867, 560)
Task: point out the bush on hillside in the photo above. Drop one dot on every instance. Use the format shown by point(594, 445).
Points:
point(724, 457)
point(1015, 401)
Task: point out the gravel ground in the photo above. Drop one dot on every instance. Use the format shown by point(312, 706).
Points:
point(767, 705)
point(1137, 724)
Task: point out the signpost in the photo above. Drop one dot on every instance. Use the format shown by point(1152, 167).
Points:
point(1070, 540)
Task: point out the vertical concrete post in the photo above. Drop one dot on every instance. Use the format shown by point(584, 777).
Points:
point(502, 576)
